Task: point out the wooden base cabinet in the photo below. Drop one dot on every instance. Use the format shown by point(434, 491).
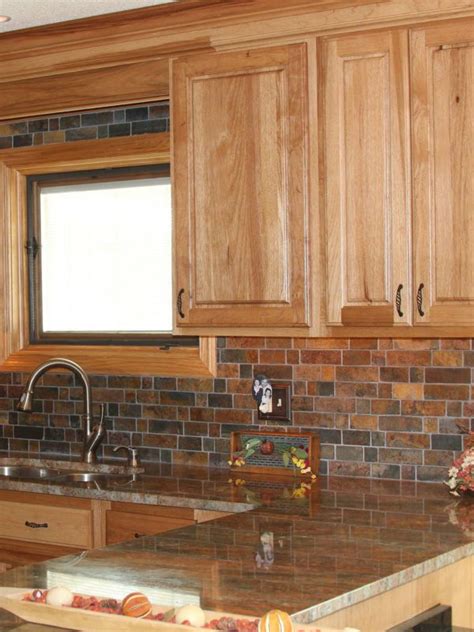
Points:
point(36, 527)
point(240, 189)
point(126, 521)
point(449, 586)
point(398, 126)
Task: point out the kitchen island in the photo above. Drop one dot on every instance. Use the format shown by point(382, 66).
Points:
point(336, 544)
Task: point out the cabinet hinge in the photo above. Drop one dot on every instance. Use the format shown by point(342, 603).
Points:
point(32, 247)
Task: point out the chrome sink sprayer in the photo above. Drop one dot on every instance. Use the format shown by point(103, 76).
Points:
point(93, 435)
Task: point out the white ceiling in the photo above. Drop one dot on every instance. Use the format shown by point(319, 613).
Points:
point(27, 13)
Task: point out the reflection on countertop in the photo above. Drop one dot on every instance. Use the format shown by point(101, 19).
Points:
point(334, 543)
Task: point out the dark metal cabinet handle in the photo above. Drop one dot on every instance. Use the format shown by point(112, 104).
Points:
point(419, 299)
point(398, 300)
point(179, 303)
point(36, 525)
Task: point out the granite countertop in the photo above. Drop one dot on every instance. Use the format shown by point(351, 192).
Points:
point(336, 542)
point(154, 484)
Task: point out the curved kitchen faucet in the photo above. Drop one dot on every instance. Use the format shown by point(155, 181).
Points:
point(93, 435)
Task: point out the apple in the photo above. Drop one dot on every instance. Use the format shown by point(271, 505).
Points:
point(267, 447)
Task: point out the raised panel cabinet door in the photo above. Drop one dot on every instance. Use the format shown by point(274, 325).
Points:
point(443, 180)
point(367, 179)
point(240, 200)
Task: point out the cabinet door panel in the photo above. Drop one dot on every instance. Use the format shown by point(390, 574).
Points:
point(48, 524)
point(367, 196)
point(443, 138)
point(240, 187)
point(122, 526)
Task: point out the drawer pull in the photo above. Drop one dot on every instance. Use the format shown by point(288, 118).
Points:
point(36, 525)
point(139, 535)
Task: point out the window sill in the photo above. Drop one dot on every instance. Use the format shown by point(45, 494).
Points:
point(115, 360)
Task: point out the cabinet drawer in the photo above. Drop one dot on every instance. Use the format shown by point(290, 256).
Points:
point(42, 523)
point(122, 525)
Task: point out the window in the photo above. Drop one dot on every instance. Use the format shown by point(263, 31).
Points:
point(18, 349)
point(99, 245)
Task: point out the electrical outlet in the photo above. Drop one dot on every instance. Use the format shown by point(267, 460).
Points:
point(280, 404)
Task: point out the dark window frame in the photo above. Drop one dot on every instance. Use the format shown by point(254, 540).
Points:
point(33, 248)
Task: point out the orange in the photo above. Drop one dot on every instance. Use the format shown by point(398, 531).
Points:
point(275, 621)
point(136, 605)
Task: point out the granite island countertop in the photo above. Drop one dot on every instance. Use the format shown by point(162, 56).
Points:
point(335, 544)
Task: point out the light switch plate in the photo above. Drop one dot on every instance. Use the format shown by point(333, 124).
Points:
point(281, 398)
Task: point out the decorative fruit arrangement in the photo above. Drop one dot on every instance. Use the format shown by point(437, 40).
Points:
point(137, 605)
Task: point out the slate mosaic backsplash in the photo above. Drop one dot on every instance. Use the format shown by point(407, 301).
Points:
point(383, 408)
point(63, 128)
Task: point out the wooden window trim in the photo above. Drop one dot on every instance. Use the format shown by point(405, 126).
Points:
point(16, 353)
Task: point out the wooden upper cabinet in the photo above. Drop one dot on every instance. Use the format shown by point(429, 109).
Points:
point(442, 85)
point(366, 148)
point(240, 160)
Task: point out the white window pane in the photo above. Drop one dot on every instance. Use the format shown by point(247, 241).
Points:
point(106, 256)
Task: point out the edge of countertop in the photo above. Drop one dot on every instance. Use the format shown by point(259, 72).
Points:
point(331, 606)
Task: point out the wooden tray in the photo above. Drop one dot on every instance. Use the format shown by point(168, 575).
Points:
point(11, 599)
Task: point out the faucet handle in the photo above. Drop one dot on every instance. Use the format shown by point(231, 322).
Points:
point(132, 456)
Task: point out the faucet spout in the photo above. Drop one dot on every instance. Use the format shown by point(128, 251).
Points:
point(25, 403)
point(92, 437)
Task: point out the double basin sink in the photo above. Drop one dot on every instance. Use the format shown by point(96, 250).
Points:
point(38, 472)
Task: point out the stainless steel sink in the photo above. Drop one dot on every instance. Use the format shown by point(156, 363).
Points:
point(93, 477)
point(28, 472)
point(85, 477)
point(52, 475)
